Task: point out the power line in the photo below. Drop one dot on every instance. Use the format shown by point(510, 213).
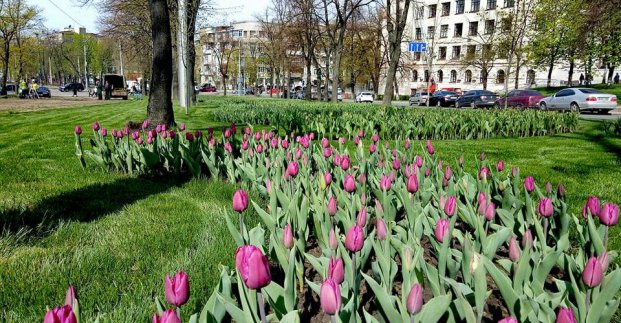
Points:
point(66, 14)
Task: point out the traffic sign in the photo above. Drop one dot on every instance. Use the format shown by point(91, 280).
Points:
point(417, 47)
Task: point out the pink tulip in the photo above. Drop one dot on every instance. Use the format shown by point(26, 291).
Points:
point(527, 239)
point(375, 137)
point(414, 301)
point(593, 273)
point(298, 153)
point(169, 316)
point(427, 172)
point(227, 133)
point(448, 173)
point(396, 164)
point(545, 208)
point(330, 297)
point(412, 184)
point(349, 184)
point(514, 249)
point(385, 183)
point(604, 261)
point(70, 297)
point(609, 215)
point(104, 132)
point(362, 178)
point(333, 241)
point(287, 237)
point(354, 240)
point(327, 178)
point(78, 130)
point(548, 188)
point(442, 228)
point(96, 126)
point(284, 144)
point(336, 160)
point(244, 145)
point(60, 314)
point(253, 267)
point(500, 165)
point(268, 186)
point(327, 152)
point(361, 133)
point(514, 171)
point(372, 148)
point(332, 206)
point(380, 229)
point(565, 315)
point(182, 126)
point(529, 184)
point(490, 211)
point(259, 148)
point(592, 206)
point(345, 162)
point(419, 161)
point(407, 144)
point(240, 201)
point(483, 173)
point(430, 148)
point(335, 270)
point(450, 206)
point(356, 140)
point(509, 319)
point(361, 219)
point(274, 143)
point(342, 141)
point(324, 142)
point(292, 169)
point(177, 289)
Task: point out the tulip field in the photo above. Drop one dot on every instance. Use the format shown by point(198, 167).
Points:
point(213, 221)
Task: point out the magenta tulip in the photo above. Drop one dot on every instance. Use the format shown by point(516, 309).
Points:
point(385, 183)
point(182, 126)
point(335, 270)
point(333, 241)
point(78, 130)
point(345, 162)
point(529, 184)
point(375, 137)
point(349, 184)
point(259, 148)
point(60, 314)
point(293, 169)
point(450, 205)
point(593, 273)
point(545, 208)
point(253, 267)
point(430, 148)
point(330, 297)
point(565, 315)
point(298, 153)
point(407, 144)
point(419, 161)
point(380, 229)
point(414, 301)
point(177, 289)
point(287, 237)
point(609, 215)
point(354, 240)
point(514, 249)
point(284, 144)
point(412, 184)
point(396, 164)
point(327, 178)
point(362, 178)
point(372, 148)
point(500, 165)
point(361, 219)
point(96, 126)
point(169, 316)
point(592, 206)
point(240, 201)
point(361, 133)
point(327, 152)
point(324, 142)
point(448, 173)
point(332, 206)
point(442, 228)
point(509, 319)
point(356, 140)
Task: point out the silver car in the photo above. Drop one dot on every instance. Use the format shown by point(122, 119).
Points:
point(579, 99)
point(419, 98)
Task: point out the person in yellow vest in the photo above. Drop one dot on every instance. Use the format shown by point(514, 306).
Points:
point(24, 89)
point(35, 89)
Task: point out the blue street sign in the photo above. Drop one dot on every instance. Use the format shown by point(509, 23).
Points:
point(417, 47)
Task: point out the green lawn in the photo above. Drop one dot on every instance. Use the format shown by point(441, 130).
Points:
point(115, 236)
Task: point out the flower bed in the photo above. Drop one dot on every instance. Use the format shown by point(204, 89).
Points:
point(385, 233)
point(335, 120)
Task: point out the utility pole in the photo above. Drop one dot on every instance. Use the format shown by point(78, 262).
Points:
point(49, 60)
point(121, 60)
point(85, 70)
point(239, 80)
point(182, 49)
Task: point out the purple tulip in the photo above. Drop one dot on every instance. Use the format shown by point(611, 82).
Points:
point(514, 249)
point(442, 228)
point(292, 169)
point(414, 301)
point(529, 184)
point(527, 239)
point(327, 178)
point(253, 267)
point(169, 316)
point(78, 130)
point(177, 289)
point(385, 183)
point(349, 184)
point(545, 208)
point(171, 134)
point(380, 229)
point(354, 240)
point(500, 165)
point(396, 164)
point(333, 241)
point(335, 270)
point(419, 161)
point(450, 206)
point(565, 315)
point(345, 162)
point(70, 297)
point(412, 184)
point(609, 215)
point(430, 148)
point(330, 297)
point(509, 319)
point(96, 126)
point(60, 314)
point(145, 124)
point(287, 237)
point(189, 136)
point(332, 206)
point(560, 190)
point(182, 126)
point(240, 201)
point(104, 132)
point(361, 219)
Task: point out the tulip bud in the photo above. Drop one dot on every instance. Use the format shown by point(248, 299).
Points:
point(361, 219)
point(430, 148)
point(565, 315)
point(529, 184)
point(356, 140)
point(375, 137)
point(354, 240)
point(450, 206)
point(448, 173)
point(545, 208)
point(330, 297)
point(380, 229)
point(104, 132)
point(298, 153)
point(78, 130)
point(327, 152)
point(349, 184)
point(335, 270)
point(560, 191)
point(177, 289)
point(414, 301)
point(407, 144)
point(407, 257)
point(324, 142)
point(527, 239)
point(332, 206)
point(361, 133)
point(284, 144)
point(412, 185)
point(170, 316)
point(182, 126)
point(604, 261)
point(548, 188)
point(70, 298)
point(427, 172)
point(287, 237)
point(60, 314)
point(442, 227)
point(419, 161)
point(372, 148)
point(336, 160)
point(593, 273)
point(96, 126)
point(362, 178)
point(333, 241)
point(268, 186)
point(292, 169)
point(345, 162)
point(483, 173)
point(240, 201)
point(490, 211)
point(609, 215)
point(327, 178)
point(396, 164)
point(514, 250)
point(227, 133)
point(385, 183)
point(509, 319)
point(253, 267)
point(500, 165)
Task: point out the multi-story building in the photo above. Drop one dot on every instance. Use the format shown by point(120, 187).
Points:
point(460, 35)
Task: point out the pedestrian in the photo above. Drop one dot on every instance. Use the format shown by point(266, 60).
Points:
point(99, 90)
point(24, 89)
point(581, 79)
point(107, 90)
point(617, 78)
point(35, 90)
point(74, 87)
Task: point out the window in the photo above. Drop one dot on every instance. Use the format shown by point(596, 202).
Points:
point(426, 75)
point(453, 76)
point(417, 56)
point(487, 51)
point(468, 78)
point(471, 51)
point(419, 12)
point(440, 76)
point(442, 53)
point(456, 52)
point(415, 75)
point(474, 28)
point(430, 31)
point(443, 31)
point(483, 76)
point(419, 34)
point(432, 10)
point(506, 24)
point(509, 3)
point(500, 77)
point(475, 5)
point(458, 30)
point(245, 33)
point(446, 9)
point(491, 4)
point(530, 77)
point(563, 93)
point(460, 7)
point(489, 27)
point(236, 33)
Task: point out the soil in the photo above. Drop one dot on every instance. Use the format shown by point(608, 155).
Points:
point(12, 104)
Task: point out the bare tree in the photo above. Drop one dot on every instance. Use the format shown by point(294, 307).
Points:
point(397, 12)
point(485, 51)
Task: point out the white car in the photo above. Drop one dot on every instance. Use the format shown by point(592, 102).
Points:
point(364, 97)
point(580, 99)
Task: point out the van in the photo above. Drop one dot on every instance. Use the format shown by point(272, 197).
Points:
point(118, 85)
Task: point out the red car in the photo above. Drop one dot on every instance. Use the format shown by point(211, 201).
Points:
point(208, 88)
point(520, 99)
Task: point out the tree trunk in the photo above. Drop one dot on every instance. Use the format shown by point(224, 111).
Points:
point(160, 109)
point(611, 71)
point(224, 84)
point(336, 68)
point(518, 66)
point(5, 71)
point(389, 89)
point(570, 74)
point(550, 68)
point(506, 80)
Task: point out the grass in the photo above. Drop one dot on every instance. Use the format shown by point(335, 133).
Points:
point(116, 236)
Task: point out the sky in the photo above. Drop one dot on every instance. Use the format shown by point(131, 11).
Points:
point(75, 15)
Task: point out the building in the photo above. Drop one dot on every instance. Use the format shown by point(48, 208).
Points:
point(457, 33)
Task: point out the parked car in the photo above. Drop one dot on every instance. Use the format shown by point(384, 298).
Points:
point(208, 88)
point(69, 87)
point(457, 90)
point(580, 99)
point(476, 99)
point(364, 97)
point(44, 92)
point(419, 98)
point(520, 99)
point(443, 98)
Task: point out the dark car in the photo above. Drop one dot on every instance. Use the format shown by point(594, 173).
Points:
point(477, 99)
point(520, 99)
point(207, 88)
point(443, 98)
point(44, 92)
point(69, 87)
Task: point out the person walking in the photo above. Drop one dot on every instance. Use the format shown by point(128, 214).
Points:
point(99, 90)
point(35, 90)
point(107, 89)
point(24, 89)
point(581, 79)
point(616, 79)
point(74, 87)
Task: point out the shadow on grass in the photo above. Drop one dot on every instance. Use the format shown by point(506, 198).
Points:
point(85, 204)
